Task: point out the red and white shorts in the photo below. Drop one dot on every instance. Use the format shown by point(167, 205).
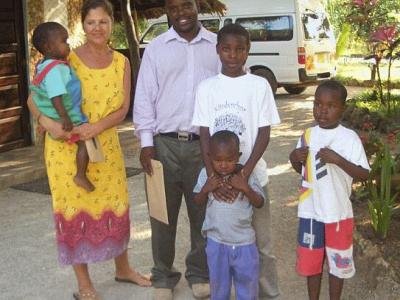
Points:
point(333, 241)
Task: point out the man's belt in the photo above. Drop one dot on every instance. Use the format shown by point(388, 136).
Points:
point(181, 135)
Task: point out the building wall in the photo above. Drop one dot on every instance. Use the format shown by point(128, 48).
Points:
point(35, 16)
point(55, 11)
point(76, 33)
point(65, 12)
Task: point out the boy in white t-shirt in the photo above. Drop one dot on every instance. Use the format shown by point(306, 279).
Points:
point(243, 103)
point(329, 156)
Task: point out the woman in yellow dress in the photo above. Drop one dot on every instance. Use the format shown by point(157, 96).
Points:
point(93, 226)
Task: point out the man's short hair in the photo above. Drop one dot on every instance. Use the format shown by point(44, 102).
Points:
point(225, 137)
point(335, 86)
point(233, 29)
point(42, 33)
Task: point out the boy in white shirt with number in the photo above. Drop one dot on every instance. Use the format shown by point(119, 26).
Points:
point(329, 156)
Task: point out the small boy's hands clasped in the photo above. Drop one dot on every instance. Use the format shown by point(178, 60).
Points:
point(229, 190)
point(225, 192)
point(213, 182)
point(239, 182)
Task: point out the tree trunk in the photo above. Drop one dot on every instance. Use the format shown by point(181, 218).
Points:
point(132, 41)
point(136, 24)
point(373, 72)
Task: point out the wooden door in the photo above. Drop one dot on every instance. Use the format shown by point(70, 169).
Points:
point(14, 117)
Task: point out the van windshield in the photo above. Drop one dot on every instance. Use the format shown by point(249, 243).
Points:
point(154, 31)
point(316, 26)
point(158, 28)
point(273, 28)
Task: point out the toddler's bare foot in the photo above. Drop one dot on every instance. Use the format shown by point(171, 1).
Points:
point(83, 182)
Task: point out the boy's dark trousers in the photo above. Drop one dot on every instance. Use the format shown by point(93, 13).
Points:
point(182, 163)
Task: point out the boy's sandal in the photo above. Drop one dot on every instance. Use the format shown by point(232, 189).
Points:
point(90, 295)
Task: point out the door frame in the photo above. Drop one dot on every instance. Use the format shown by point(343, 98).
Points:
point(22, 71)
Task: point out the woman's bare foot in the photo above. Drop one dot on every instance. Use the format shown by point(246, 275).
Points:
point(86, 294)
point(84, 183)
point(135, 278)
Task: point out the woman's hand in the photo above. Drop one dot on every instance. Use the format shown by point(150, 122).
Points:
point(54, 128)
point(87, 131)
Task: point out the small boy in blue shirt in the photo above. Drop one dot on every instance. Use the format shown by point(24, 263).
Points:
point(231, 250)
point(57, 90)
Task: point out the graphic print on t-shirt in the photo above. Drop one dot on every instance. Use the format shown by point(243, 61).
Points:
point(230, 118)
point(320, 167)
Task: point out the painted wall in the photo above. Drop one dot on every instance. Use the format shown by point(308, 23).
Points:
point(65, 12)
point(55, 11)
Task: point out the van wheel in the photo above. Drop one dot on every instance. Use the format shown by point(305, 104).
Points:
point(295, 90)
point(269, 76)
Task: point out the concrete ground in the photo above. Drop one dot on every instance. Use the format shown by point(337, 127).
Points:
point(28, 253)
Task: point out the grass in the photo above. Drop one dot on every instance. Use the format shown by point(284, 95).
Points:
point(361, 70)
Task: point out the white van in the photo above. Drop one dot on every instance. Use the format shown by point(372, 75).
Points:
point(292, 43)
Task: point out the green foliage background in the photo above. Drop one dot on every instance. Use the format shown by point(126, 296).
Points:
point(118, 38)
point(342, 15)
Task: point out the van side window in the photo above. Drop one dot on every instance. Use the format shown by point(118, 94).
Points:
point(211, 25)
point(262, 29)
point(154, 31)
point(228, 21)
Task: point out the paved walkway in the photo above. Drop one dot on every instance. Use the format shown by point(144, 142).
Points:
point(27, 249)
point(21, 165)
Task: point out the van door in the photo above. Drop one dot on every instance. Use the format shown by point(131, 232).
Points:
point(319, 44)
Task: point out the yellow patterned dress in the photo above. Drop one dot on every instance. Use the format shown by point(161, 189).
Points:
point(91, 226)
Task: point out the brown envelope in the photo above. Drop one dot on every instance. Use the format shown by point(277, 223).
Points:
point(94, 150)
point(155, 191)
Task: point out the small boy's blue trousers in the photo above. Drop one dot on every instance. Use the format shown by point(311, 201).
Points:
point(239, 264)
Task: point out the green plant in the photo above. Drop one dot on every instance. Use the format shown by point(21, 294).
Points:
point(386, 45)
point(118, 37)
point(374, 22)
point(381, 202)
point(370, 99)
point(343, 39)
